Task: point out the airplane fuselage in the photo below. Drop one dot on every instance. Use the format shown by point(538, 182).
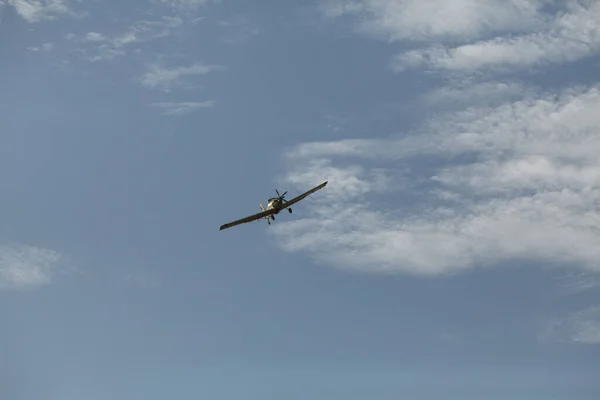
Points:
point(275, 204)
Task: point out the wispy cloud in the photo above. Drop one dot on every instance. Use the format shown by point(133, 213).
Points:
point(141, 278)
point(335, 123)
point(97, 46)
point(237, 30)
point(167, 78)
point(459, 94)
point(582, 327)
point(579, 281)
point(182, 108)
point(46, 47)
point(41, 10)
point(26, 266)
point(449, 339)
point(188, 10)
point(185, 4)
point(515, 182)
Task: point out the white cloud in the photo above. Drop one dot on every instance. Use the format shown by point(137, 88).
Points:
point(166, 78)
point(26, 266)
point(442, 19)
point(519, 181)
point(181, 108)
point(94, 37)
point(467, 35)
point(40, 10)
point(570, 37)
point(582, 327)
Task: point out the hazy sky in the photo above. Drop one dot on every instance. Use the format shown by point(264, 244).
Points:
point(454, 254)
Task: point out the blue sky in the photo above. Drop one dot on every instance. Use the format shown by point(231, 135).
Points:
point(453, 255)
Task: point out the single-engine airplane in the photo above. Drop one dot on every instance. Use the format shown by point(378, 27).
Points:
point(274, 206)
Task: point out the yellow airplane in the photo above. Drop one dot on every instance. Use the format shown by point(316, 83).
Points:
point(274, 206)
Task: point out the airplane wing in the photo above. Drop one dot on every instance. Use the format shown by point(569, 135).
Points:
point(247, 219)
point(303, 195)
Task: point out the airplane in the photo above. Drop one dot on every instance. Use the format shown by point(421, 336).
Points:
point(274, 206)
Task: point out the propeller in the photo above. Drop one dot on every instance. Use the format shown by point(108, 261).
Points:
point(281, 196)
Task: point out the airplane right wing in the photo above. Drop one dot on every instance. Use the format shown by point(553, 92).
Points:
point(303, 195)
point(250, 218)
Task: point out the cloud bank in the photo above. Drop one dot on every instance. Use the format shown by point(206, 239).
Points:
point(501, 171)
point(519, 181)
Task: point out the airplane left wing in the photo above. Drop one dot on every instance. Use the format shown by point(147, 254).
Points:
point(303, 195)
point(247, 219)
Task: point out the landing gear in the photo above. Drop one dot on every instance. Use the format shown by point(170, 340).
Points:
point(273, 217)
point(290, 210)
